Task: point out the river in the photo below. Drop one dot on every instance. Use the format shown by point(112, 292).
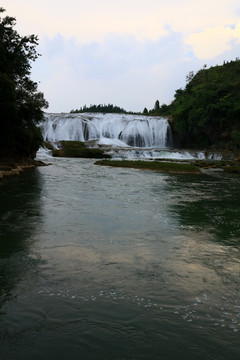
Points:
point(123, 264)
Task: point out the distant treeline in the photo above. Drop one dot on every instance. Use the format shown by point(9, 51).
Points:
point(110, 108)
point(158, 110)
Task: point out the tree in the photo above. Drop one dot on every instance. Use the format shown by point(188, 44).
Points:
point(110, 108)
point(156, 106)
point(207, 111)
point(189, 76)
point(20, 102)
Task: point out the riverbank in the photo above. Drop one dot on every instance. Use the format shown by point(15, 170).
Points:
point(166, 166)
point(13, 166)
point(174, 166)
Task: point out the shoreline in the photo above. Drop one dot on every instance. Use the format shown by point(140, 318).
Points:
point(13, 167)
point(208, 167)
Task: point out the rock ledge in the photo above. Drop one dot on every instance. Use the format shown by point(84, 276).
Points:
point(9, 167)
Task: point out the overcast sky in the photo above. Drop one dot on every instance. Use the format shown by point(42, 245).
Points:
point(125, 52)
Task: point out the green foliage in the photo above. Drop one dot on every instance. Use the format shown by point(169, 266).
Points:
point(235, 135)
point(100, 109)
point(207, 111)
point(77, 149)
point(158, 110)
point(156, 106)
point(20, 102)
point(189, 76)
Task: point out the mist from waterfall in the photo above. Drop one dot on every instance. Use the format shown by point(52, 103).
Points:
point(117, 130)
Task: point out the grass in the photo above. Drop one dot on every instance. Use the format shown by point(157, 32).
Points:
point(77, 149)
point(232, 169)
point(168, 167)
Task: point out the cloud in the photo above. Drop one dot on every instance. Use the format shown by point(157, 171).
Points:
point(129, 53)
point(122, 69)
point(92, 20)
point(214, 41)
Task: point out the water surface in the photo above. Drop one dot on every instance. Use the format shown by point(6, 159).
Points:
point(105, 263)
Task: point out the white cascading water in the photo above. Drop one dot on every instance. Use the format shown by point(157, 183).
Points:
point(122, 135)
point(118, 130)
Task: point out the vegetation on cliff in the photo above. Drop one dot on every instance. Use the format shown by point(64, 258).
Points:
point(207, 111)
point(20, 102)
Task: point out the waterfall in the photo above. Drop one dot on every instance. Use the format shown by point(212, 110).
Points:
point(117, 130)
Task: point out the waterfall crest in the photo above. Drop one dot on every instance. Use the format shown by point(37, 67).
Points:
point(119, 130)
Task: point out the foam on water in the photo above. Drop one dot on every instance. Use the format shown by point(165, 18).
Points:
point(139, 153)
point(44, 153)
point(217, 312)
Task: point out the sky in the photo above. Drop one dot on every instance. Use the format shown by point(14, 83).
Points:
point(129, 53)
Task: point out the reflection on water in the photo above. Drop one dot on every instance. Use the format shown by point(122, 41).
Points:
point(211, 203)
point(104, 263)
point(20, 217)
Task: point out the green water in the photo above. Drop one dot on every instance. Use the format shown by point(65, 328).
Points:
point(104, 263)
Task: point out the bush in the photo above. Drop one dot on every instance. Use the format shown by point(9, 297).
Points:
point(77, 149)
